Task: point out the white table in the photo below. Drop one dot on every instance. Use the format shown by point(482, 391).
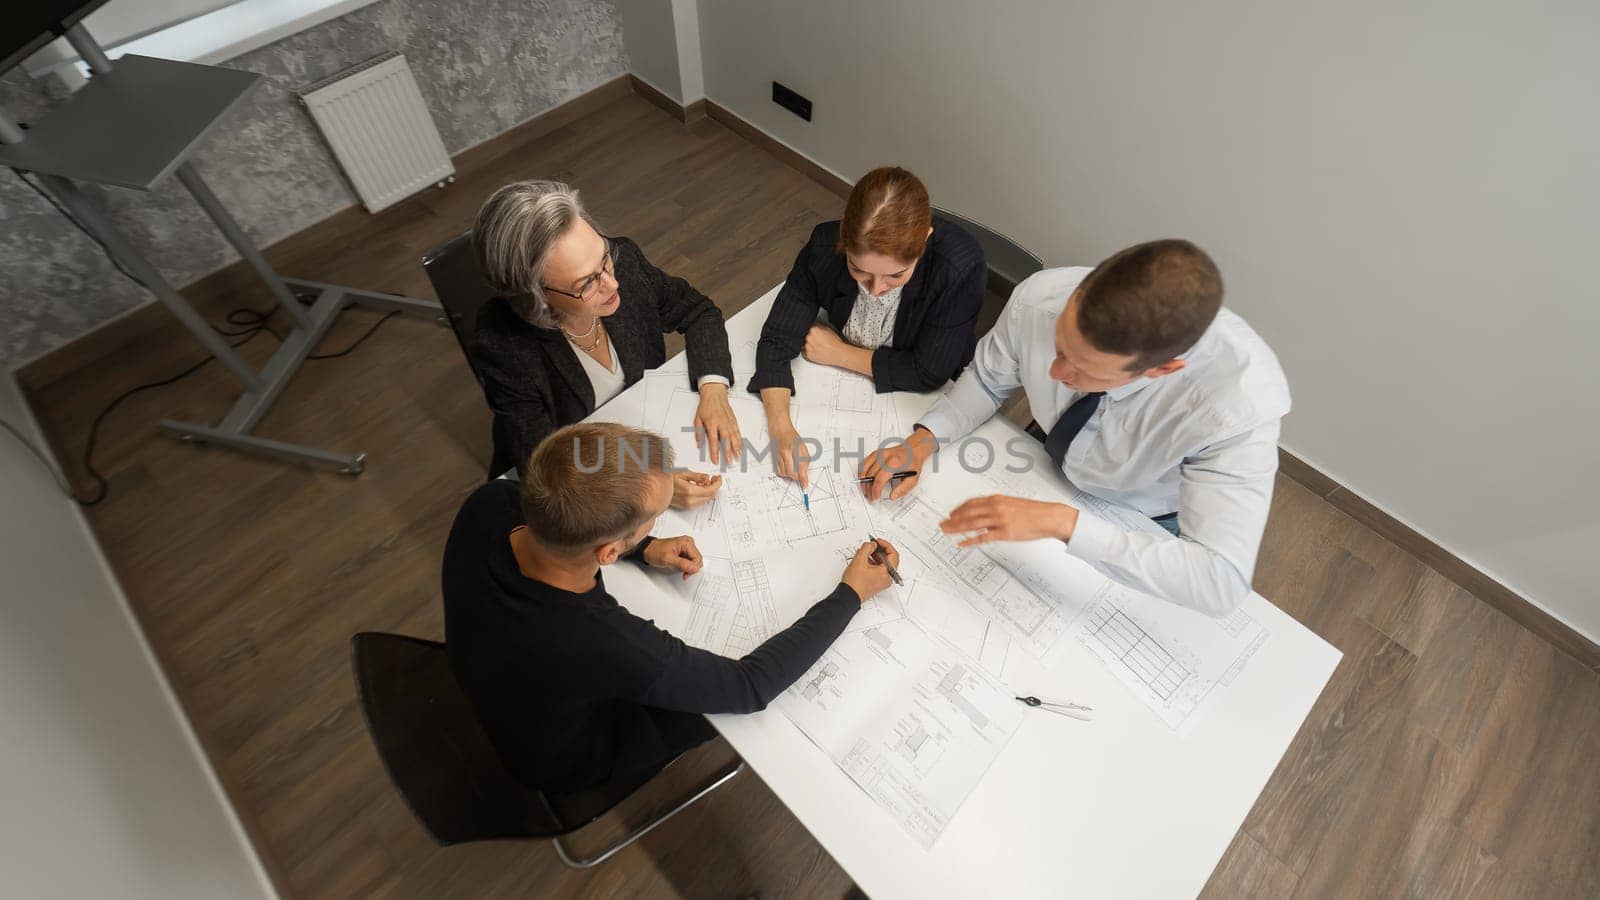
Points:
point(1123, 806)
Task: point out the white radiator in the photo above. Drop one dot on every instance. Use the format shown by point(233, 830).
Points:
point(374, 119)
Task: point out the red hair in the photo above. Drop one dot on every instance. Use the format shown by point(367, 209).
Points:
point(889, 213)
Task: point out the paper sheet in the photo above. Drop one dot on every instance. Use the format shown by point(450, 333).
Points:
point(907, 718)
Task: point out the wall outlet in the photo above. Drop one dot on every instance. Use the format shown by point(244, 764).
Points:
point(791, 101)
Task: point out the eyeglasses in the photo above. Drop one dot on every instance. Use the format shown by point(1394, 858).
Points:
point(590, 286)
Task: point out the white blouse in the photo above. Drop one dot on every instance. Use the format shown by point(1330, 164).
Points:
point(607, 383)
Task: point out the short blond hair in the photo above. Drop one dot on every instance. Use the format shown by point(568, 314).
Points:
point(587, 484)
point(512, 237)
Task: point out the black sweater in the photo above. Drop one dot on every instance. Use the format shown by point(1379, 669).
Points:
point(565, 683)
point(532, 375)
point(933, 328)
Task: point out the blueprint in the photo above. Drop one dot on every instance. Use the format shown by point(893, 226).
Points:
point(907, 718)
point(1171, 658)
point(733, 610)
point(1034, 620)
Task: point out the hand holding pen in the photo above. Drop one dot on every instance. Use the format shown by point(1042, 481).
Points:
point(881, 557)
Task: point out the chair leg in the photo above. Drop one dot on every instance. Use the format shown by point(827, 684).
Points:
point(647, 827)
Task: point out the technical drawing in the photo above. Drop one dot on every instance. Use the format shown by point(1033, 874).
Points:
point(825, 515)
point(907, 718)
point(1135, 648)
point(1171, 658)
point(819, 681)
point(988, 586)
point(757, 617)
point(950, 688)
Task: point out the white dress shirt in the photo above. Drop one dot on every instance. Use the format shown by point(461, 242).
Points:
point(1202, 441)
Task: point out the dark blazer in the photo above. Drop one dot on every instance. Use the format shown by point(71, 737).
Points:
point(933, 329)
point(532, 376)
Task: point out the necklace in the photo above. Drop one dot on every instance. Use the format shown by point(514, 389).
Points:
point(592, 344)
point(578, 337)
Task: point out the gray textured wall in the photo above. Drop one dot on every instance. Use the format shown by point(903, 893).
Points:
point(483, 66)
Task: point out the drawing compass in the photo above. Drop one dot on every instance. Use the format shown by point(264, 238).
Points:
point(1070, 710)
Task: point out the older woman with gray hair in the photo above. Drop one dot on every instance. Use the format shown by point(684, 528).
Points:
point(579, 316)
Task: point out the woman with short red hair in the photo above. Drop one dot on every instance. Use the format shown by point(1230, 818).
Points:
point(901, 289)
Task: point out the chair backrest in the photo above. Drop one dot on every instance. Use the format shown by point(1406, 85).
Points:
point(459, 286)
point(1007, 259)
point(435, 751)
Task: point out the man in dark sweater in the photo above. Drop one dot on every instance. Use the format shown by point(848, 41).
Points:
point(571, 688)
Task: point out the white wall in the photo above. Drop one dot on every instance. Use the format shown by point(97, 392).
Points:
point(663, 41)
point(649, 33)
point(1404, 199)
point(686, 20)
point(105, 793)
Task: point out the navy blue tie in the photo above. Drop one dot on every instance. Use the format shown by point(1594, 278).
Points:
point(1068, 426)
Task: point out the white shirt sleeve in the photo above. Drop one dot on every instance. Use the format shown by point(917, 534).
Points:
point(1224, 495)
point(994, 375)
point(711, 379)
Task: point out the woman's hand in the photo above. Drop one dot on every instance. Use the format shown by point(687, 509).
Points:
point(715, 425)
point(824, 346)
point(678, 554)
point(691, 489)
point(790, 456)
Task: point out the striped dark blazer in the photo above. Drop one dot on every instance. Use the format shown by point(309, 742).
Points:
point(933, 329)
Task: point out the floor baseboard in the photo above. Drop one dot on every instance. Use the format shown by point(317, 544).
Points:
point(688, 115)
point(1516, 607)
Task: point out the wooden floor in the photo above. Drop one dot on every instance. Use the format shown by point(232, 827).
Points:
point(1454, 753)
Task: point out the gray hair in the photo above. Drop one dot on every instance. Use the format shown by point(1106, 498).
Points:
point(512, 237)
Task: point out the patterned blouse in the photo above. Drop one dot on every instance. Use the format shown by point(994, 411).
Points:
point(871, 322)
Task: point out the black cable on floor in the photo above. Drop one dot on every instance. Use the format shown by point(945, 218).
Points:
point(103, 487)
point(247, 324)
point(358, 341)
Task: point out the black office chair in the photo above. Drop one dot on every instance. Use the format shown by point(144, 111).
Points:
point(462, 292)
point(459, 286)
point(449, 774)
point(1008, 260)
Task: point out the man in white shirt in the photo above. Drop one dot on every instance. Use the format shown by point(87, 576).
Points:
point(1153, 397)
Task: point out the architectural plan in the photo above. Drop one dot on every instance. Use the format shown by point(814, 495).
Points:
point(907, 718)
point(1034, 619)
point(941, 609)
point(733, 610)
point(1172, 658)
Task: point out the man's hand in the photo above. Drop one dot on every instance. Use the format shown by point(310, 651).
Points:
point(678, 554)
point(823, 345)
point(1001, 518)
point(866, 576)
point(715, 425)
point(691, 489)
point(790, 456)
point(881, 465)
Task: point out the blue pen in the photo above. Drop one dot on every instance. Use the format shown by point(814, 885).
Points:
point(805, 497)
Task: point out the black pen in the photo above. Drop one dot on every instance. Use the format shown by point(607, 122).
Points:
point(892, 478)
point(878, 556)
